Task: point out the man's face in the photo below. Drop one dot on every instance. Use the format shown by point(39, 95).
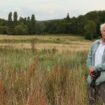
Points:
point(103, 33)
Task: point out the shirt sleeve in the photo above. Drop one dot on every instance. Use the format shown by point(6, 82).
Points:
point(100, 67)
point(89, 58)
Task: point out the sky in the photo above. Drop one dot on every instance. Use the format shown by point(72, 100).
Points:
point(49, 9)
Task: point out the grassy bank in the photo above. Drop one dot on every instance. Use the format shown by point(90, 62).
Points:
point(42, 78)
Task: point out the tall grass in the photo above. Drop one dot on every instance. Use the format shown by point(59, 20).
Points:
point(42, 78)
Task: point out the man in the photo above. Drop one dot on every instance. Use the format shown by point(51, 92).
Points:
point(96, 66)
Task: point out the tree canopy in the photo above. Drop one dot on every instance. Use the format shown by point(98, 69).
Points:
point(85, 25)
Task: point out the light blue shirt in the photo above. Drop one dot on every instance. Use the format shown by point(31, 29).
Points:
point(99, 54)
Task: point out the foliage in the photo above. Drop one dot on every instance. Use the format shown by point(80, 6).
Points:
point(21, 29)
point(67, 25)
point(90, 29)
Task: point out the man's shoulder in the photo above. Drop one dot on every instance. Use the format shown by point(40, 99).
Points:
point(96, 41)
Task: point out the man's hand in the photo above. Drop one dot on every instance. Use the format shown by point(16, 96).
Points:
point(91, 70)
point(94, 74)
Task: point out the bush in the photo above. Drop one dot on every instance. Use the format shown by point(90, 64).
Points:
point(21, 29)
point(90, 30)
point(3, 29)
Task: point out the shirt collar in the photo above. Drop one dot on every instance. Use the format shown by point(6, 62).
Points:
point(101, 42)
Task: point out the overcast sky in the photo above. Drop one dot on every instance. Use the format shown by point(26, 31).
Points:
point(49, 9)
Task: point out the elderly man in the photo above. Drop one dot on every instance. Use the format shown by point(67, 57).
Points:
point(96, 66)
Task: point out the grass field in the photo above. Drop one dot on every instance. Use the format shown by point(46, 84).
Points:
point(43, 70)
point(60, 43)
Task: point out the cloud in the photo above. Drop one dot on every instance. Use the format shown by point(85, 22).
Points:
point(49, 9)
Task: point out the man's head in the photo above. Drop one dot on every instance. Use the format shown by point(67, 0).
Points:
point(102, 30)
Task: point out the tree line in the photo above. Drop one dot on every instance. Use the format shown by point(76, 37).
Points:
point(85, 25)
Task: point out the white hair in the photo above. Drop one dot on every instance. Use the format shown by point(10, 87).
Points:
point(102, 26)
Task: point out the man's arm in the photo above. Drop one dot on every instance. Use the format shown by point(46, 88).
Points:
point(89, 59)
point(100, 67)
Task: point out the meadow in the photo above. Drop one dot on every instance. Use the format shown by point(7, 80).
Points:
point(43, 70)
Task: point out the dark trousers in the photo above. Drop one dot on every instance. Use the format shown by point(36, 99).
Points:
point(97, 93)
